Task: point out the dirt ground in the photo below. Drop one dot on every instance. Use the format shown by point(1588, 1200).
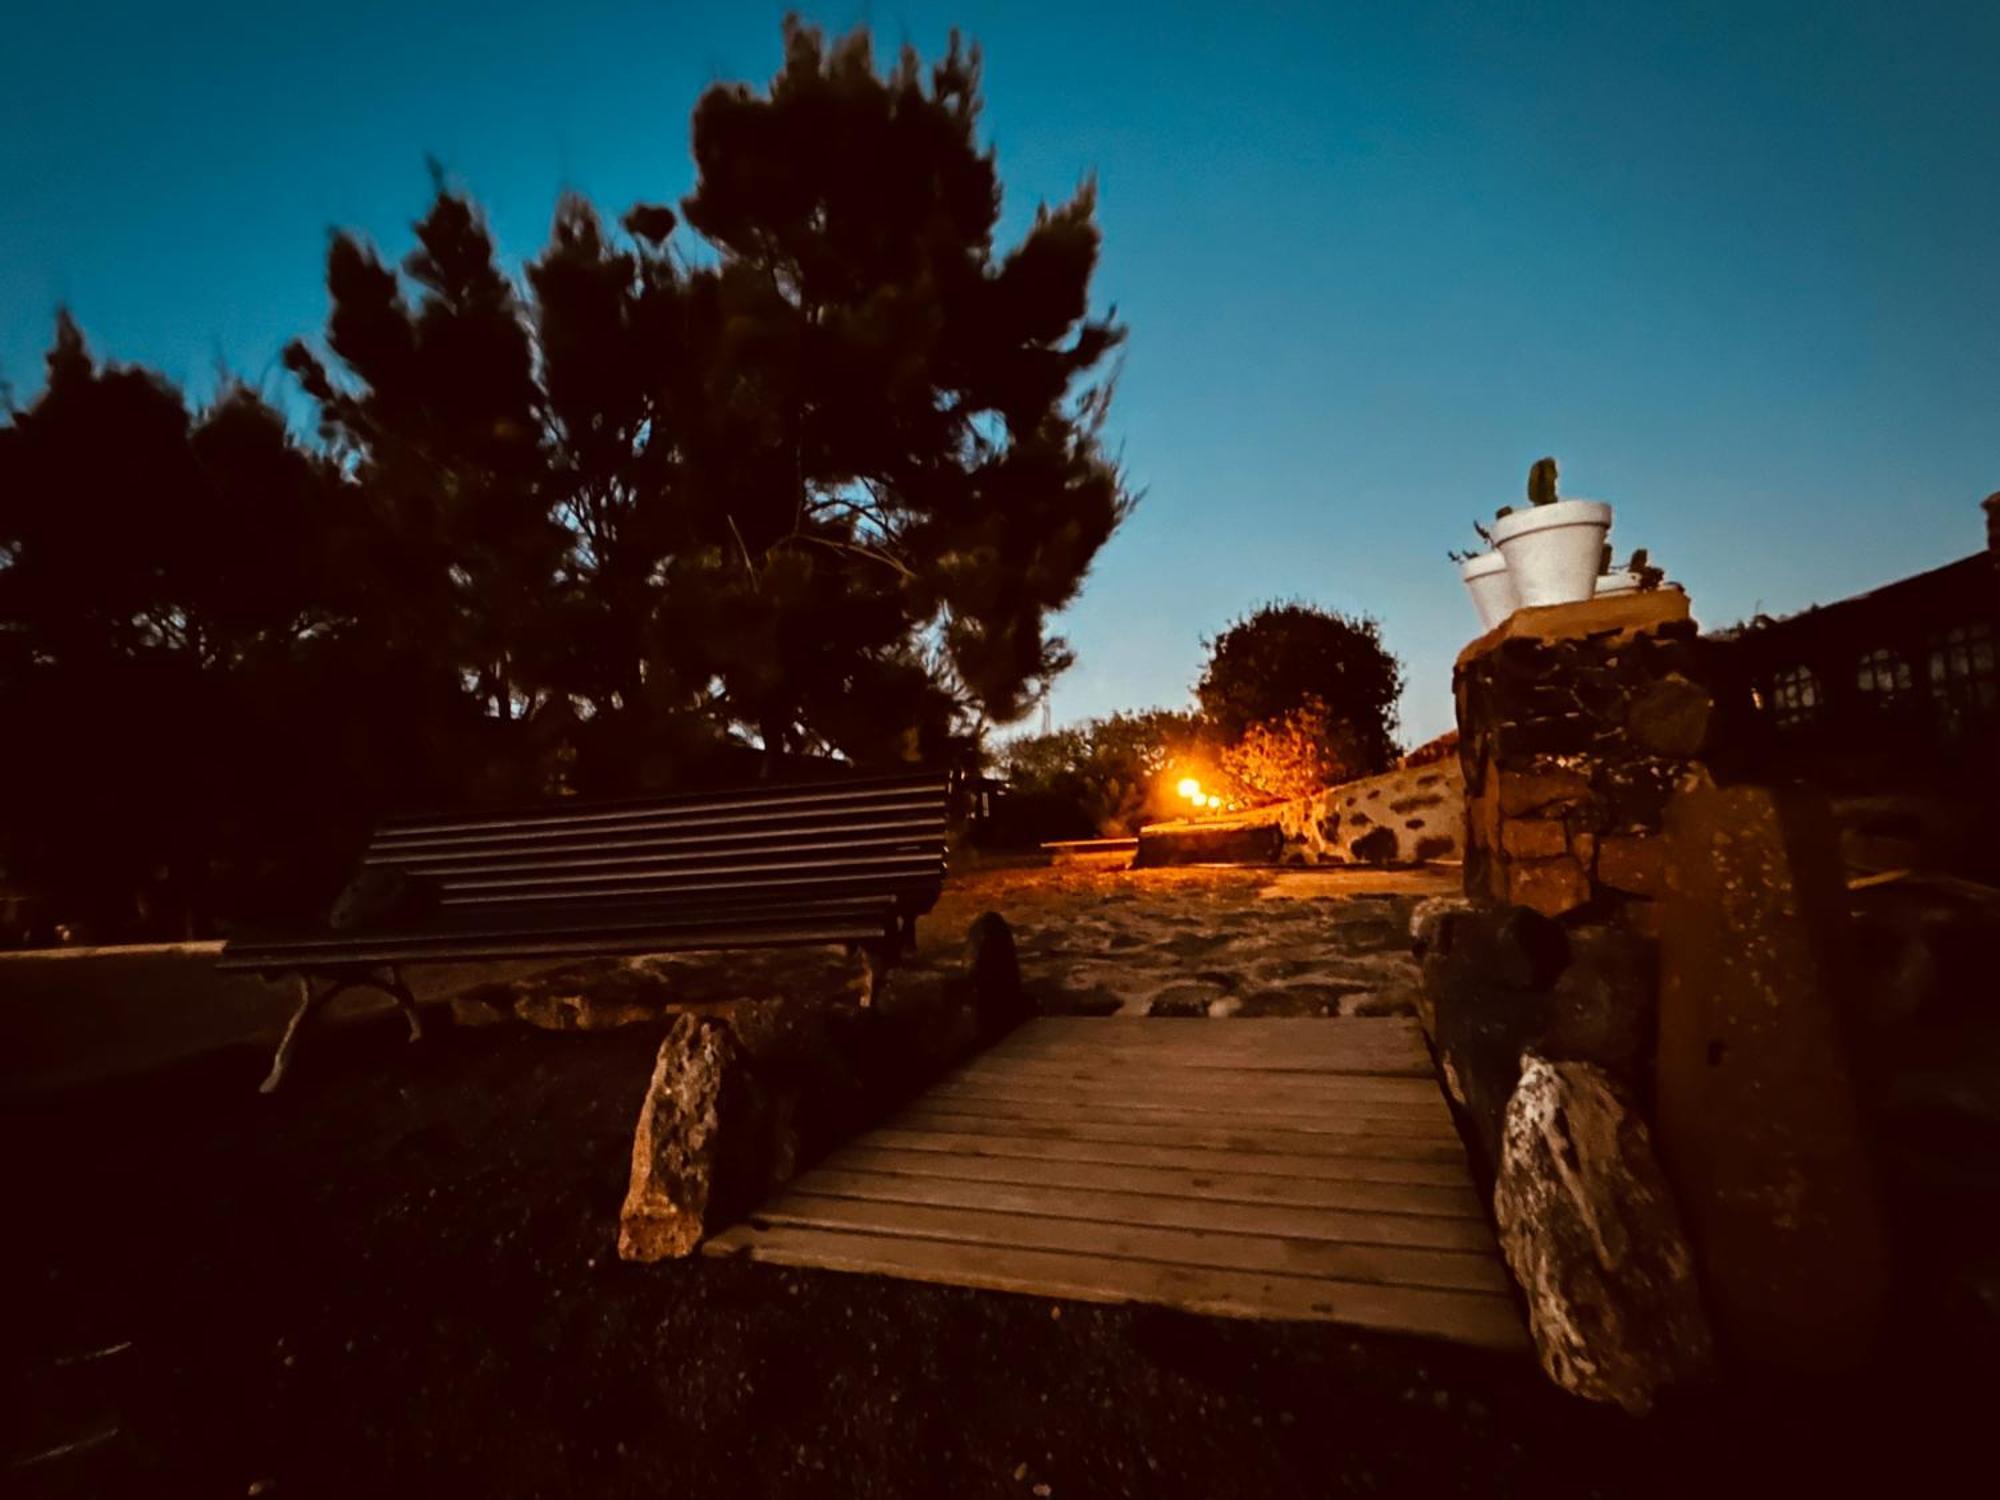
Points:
point(396, 1277)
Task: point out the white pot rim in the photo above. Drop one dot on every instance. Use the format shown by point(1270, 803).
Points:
point(1484, 563)
point(1546, 517)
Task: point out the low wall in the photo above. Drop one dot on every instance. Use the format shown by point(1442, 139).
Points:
point(1402, 817)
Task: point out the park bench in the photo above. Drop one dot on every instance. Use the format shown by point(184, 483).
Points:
point(853, 862)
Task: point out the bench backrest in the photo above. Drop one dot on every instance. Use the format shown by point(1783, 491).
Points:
point(787, 845)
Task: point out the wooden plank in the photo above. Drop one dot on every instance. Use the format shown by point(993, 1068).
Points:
point(1259, 1032)
point(1249, 1137)
point(1389, 1265)
point(1101, 1207)
point(1306, 1037)
point(1352, 1062)
point(1177, 1076)
point(1468, 1317)
point(1225, 1044)
point(1388, 1059)
point(1329, 1117)
point(1245, 1164)
point(1457, 1201)
point(1302, 1121)
point(1196, 1100)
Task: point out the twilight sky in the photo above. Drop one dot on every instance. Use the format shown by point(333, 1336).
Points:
point(1736, 263)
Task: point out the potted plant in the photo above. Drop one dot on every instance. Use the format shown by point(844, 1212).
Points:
point(1487, 580)
point(1638, 576)
point(1552, 548)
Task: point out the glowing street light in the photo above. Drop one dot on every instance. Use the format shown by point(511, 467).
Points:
point(1191, 789)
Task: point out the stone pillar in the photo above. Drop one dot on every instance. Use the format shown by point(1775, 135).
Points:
point(1575, 722)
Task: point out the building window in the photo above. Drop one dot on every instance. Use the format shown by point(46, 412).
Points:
point(1963, 680)
point(1883, 677)
point(1795, 697)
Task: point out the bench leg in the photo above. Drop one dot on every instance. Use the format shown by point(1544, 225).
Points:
point(295, 1028)
point(875, 958)
point(405, 1001)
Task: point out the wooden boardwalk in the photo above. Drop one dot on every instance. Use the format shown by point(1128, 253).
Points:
point(1300, 1169)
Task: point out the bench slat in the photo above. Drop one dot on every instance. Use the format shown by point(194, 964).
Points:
point(910, 827)
point(927, 813)
point(663, 854)
point(664, 874)
point(735, 806)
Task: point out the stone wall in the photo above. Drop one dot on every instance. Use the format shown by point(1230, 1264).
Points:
point(1406, 816)
point(1403, 817)
point(1672, 940)
point(1576, 722)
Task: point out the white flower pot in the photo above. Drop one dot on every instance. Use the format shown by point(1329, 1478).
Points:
point(1553, 552)
point(1623, 581)
point(1617, 581)
point(1491, 586)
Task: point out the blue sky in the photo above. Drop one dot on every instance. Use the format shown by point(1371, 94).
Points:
point(1736, 264)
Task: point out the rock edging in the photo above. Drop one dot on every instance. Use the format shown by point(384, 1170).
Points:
point(742, 1097)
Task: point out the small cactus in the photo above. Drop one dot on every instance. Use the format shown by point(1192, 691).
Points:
point(1542, 482)
point(1649, 576)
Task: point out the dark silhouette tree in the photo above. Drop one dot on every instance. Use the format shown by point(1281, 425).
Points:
point(910, 400)
point(819, 486)
point(813, 482)
point(1293, 670)
point(159, 572)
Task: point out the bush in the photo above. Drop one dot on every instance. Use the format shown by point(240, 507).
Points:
point(1104, 778)
point(1300, 698)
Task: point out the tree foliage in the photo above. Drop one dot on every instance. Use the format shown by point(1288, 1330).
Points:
point(1293, 755)
point(805, 466)
point(1295, 671)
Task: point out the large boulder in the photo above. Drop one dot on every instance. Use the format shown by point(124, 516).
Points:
point(710, 1139)
point(1602, 1008)
point(1486, 973)
point(1589, 1229)
point(1756, 1111)
point(1499, 980)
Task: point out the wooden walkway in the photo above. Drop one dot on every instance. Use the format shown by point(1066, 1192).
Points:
point(1301, 1169)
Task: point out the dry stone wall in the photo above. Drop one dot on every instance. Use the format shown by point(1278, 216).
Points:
point(1402, 817)
point(1410, 816)
point(1576, 722)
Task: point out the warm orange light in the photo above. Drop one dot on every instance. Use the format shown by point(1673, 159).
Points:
point(1191, 789)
